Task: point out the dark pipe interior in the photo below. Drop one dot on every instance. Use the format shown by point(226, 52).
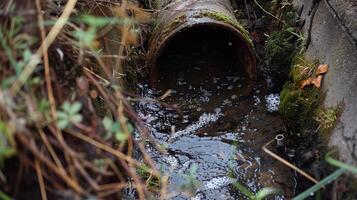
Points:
point(202, 45)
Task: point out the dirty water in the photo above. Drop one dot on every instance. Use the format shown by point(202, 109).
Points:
point(220, 128)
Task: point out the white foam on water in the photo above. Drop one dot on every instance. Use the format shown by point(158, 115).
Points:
point(172, 161)
point(272, 102)
point(198, 196)
point(216, 183)
point(204, 120)
point(256, 100)
point(213, 184)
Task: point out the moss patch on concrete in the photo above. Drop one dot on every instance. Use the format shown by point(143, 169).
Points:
point(327, 119)
point(299, 106)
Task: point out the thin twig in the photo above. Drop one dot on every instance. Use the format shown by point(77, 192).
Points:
point(50, 149)
point(46, 61)
point(287, 163)
point(41, 182)
point(268, 13)
point(164, 184)
point(74, 185)
point(109, 149)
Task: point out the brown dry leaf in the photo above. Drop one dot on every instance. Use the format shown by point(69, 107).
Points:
point(322, 69)
point(132, 38)
point(120, 11)
point(305, 83)
point(317, 81)
point(142, 16)
point(139, 14)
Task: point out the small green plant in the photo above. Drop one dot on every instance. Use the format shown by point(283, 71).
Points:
point(87, 37)
point(326, 117)
point(191, 185)
point(261, 194)
point(6, 144)
point(16, 46)
point(69, 114)
point(114, 129)
point(4, 196)
point(145, 173)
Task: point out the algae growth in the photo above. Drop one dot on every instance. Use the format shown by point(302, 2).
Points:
point(229, 20)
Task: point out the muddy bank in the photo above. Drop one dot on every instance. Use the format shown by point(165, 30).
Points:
point(331, 25)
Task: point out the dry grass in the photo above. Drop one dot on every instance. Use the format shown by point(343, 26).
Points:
point(58, 59)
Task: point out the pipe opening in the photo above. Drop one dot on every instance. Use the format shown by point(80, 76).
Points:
point(214, 48)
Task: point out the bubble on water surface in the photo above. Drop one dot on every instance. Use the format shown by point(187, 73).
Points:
point(256, 100)
point(172, 161)
point(217, 183)
point(272, 102)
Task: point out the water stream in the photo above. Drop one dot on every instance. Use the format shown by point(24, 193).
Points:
point(221, 125)
point(220, 130)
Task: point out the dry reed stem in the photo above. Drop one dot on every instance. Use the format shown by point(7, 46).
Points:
point(268, 13)
point(111, 189)
point(163, 191)
point(50, 149)
point(41, 182)
point(31, 146)
point(50, 38)
point(106, 82)
point(124, 37)
point(46, 61)
point(287, 163)
point(86, 176)
point(120, 155)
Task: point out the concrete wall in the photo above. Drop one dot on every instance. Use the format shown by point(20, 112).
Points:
point(333, 42)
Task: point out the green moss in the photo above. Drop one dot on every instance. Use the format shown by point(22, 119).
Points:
point(280, 50)
point(299, 106)
point(150, 180)
point(227, 19)
point(302, 69)
point(327, 119)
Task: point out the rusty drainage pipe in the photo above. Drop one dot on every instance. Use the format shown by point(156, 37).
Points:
point(177, 16)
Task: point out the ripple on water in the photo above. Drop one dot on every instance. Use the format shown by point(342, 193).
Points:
point(205, 102)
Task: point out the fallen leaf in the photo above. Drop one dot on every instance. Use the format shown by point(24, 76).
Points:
point(305, 83)
point(322, 69)
point(317, 81)
point(120, 11)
